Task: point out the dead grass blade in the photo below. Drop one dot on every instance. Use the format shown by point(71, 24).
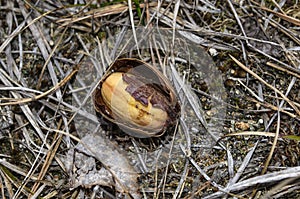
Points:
point(269, 158)
point(11, 179)
point(49, 58)
point(287, 186)
point(101, 12)
point(243, 166)
point(296, 73)
point(272, 107)
point(267, 84)
point(133, 27)
point(282, 16)
point(201, 171)
point(50, 156)
point(237, 176)
point(260, 133)
point(37, 97)
point(43, 45)
point(273, 177)
point(7, 184)
point(11, 36)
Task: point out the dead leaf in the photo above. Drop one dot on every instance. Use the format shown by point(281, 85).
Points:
point(116, 165)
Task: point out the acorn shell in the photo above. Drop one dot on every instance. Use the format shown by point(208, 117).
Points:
point(137, 97)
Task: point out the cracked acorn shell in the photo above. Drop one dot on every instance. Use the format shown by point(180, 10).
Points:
point(137, 97)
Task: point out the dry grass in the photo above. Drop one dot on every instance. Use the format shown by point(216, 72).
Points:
point(51, 50)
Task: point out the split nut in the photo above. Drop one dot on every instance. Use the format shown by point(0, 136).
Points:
point(137, 97)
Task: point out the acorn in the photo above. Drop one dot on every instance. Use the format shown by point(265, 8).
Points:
point(136, 97)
